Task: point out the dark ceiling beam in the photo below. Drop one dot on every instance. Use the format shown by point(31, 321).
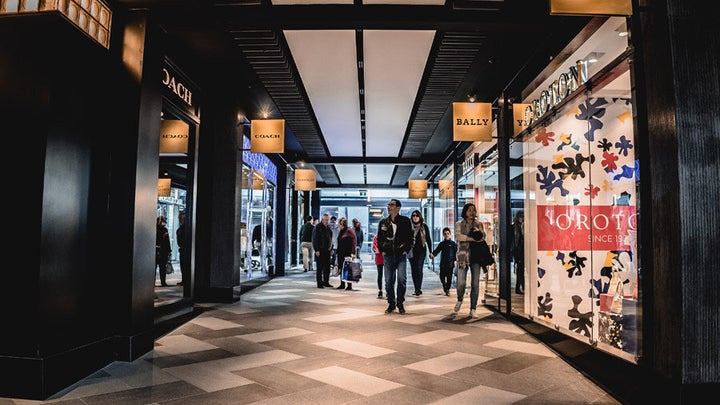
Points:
point(531, 17)
point(425, 159)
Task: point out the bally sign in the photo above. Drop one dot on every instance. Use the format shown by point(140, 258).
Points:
point(267, 136)
point(174, 136)
point(581, 227)
point(472, 122)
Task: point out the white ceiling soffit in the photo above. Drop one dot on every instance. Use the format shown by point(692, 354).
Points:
point(327, 63)
point(355, 173)
point(394, 65)
point(351, 173)
point(379, 174)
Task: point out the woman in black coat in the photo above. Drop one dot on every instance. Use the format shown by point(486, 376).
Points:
point(347, 243)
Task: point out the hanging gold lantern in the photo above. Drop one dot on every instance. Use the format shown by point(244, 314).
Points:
point(305, 180)
point(417, 188)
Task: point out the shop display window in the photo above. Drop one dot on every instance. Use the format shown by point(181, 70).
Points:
point(581, 182)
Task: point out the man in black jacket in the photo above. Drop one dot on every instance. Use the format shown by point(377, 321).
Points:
point(395, 240)
point(322, 244)
point(306, 247)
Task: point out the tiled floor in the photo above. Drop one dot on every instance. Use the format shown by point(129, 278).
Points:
point(288, 342)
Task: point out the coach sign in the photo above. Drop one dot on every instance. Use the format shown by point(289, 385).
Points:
point(178, 88)
point(267, 136)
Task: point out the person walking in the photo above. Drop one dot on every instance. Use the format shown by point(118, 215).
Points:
point(379, 264)
point(395, 239)
point(182, 252)
point(162, 248)
point(322, 245)
point(359, 234)
point(347, 243)
point(469, 230)
point(448, 259)
point(422, 245)
point(306, 245)
point(335, 233)
point(518, 251)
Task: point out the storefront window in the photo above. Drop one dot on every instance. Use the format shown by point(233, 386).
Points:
point(581, 182)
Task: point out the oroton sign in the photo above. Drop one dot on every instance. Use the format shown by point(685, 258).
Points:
point(582, 227)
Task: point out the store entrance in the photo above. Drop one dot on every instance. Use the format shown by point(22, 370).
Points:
point(174, 286)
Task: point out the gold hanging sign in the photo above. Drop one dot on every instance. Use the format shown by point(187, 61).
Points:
point(472, 122)
point(417, 188)
point(445, 188)
point(174, 136)
point(591, 7)
point(305, 180)
point(164, 187)
point(257, 183)
point(267, 136)
point(521, 117)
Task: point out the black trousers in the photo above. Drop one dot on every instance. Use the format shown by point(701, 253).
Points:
point(322, 261)
point(160, 263)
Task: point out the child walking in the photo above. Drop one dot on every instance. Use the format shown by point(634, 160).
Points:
point(448, 259)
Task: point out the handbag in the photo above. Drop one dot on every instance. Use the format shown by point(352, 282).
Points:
point(352, 270)
point(480, 253)
point(617, 295)
point(169, 269)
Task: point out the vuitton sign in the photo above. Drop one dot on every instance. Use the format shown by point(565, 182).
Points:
point(267, 136)
point(472, 122)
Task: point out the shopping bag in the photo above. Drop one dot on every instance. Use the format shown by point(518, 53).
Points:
point(335, 271)
point(352, 270)
point(169, 269)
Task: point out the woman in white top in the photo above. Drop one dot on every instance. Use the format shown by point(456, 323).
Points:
point(463, 230)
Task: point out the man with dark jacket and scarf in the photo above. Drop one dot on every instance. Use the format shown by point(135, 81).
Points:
point(322, 245)
point(395, 240)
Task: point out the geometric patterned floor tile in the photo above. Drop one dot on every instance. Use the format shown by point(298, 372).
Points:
point(450, 362)
point(432, 338)
point(481, 395)
point(356, 348)
point(274, 334)
point(524, 347)
point(350, 380)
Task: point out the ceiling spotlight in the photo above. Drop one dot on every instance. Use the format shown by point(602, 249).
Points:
point(265, 115)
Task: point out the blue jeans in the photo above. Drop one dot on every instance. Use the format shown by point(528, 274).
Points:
point(394, 267)
point(475, 275)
